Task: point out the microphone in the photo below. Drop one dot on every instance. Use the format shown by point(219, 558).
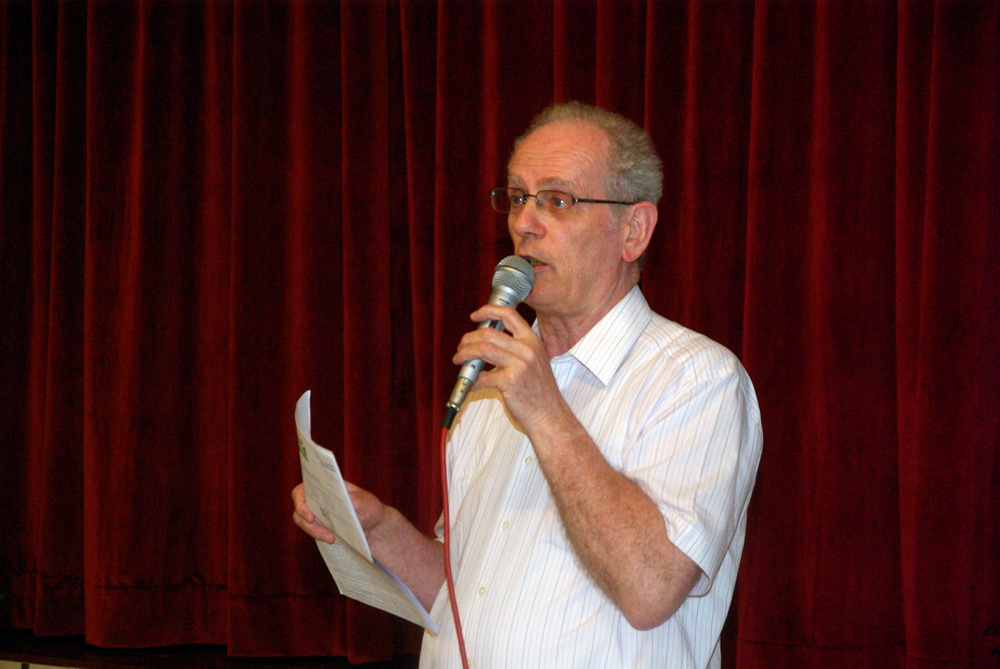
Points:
point(513, 279)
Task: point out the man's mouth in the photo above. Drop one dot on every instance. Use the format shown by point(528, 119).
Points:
point(534, 262)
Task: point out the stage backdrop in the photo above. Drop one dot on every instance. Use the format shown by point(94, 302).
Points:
point(207, 208)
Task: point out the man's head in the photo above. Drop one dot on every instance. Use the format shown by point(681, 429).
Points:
point(586, 251)
point(634, 171)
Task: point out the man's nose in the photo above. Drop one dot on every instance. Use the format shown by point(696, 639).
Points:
point(528, 219)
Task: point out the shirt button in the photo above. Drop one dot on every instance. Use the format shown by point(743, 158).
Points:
point(528, 460)
point(504, 525)
point(481, 591)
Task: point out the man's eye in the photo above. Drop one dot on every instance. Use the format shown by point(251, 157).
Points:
point(517, 199)
point(559, 202)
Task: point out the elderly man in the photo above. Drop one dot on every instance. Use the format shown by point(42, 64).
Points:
point(600, 473)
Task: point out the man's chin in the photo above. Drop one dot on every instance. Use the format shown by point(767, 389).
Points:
point(537, 299)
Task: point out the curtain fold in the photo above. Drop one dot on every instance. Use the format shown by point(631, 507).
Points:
point(819, 324)
point(208, 208)
point(947, 308)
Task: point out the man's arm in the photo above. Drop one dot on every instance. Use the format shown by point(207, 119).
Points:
point(615, 528)
point(416, 559)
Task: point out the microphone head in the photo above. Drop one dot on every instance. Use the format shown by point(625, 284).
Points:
point(515, 273)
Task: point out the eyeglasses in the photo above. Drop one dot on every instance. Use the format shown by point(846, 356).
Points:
point(555, 203)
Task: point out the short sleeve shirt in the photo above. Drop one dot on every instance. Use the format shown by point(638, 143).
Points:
point(669, 408)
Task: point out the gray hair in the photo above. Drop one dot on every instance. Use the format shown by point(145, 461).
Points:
point(634, 171)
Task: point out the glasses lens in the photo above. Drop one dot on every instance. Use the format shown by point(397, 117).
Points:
point(501, 199)
point(554, 202)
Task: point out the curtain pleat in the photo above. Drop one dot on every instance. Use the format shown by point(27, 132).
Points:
point(819, 324)
point(946, 324)
point(208, 208)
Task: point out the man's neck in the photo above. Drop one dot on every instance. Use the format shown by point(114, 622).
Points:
point(560, 334)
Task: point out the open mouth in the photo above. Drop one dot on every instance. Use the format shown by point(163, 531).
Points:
point(534, 262)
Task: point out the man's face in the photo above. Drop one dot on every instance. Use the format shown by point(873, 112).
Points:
point(578, 262)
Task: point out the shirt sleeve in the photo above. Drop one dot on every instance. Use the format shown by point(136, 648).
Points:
point(696, 456)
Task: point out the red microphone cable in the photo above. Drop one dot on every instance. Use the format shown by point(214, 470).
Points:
point(513, 279)
point(447, 549)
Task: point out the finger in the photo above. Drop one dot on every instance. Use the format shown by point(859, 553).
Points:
point(477, 348)
point(511, 319)
point(487, 344)
point(301, 508)
point(314, 530)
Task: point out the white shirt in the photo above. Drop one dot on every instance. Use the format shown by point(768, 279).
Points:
point(670, 409)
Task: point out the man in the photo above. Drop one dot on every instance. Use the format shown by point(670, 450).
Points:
point(600, 472)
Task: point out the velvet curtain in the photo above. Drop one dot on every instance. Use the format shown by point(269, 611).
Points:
point(207, 208)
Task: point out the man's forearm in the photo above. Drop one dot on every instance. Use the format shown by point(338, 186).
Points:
point(415, 558)
point(615, 528)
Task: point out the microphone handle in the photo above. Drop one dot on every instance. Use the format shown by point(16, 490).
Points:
point(502, 296)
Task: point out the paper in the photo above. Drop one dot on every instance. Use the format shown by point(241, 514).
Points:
point(358, 575)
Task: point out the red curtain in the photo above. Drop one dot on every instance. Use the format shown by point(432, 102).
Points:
point(208, 208)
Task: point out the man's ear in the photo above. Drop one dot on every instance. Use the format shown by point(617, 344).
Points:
point(639, 229)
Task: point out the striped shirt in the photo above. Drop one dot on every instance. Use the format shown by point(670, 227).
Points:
point(670, 409)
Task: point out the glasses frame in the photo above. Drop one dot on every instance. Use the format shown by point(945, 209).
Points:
point(571, 198)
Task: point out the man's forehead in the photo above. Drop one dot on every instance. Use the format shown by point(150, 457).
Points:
point(559, 154)
point(547, 183)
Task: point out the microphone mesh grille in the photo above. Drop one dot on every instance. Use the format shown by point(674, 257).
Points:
point(515, 273)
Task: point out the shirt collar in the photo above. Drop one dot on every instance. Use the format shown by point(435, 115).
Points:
point(603, 349)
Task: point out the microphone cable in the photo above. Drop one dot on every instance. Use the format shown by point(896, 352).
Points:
point(447, 550)
point(513, 279)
